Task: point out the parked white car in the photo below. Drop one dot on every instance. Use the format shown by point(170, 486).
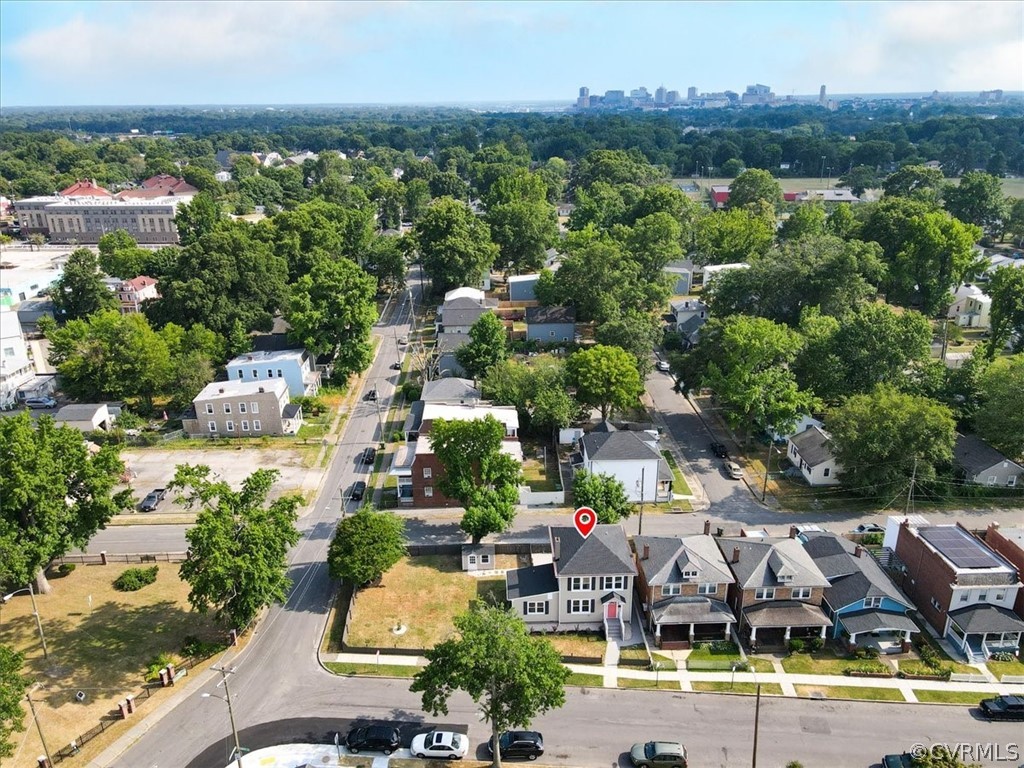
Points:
point(445, 745)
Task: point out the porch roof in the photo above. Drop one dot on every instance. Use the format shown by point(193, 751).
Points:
point(692, 610)
point(874, 621)
point(786, 613)
point(986, 618)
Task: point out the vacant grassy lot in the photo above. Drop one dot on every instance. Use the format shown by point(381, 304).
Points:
point(824, 662)
point(422, 594)
point(949, 697)
point(721, 686)
point(537, 474)
point(100, 642)
point(850, 692)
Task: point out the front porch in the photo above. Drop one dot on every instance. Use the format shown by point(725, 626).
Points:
point(679, 622)
point(981, 630)
point(886, 632)
point(771, 625)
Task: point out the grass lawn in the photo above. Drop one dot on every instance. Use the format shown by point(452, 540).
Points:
point(662, 685)
point(760, 665)
point(636, 653)
point(823, 662)
point(584, 680)
point(581, 644)
point(678, 481)
point(372, 670)
point(1000, 668)
point(665, 661)
point(101, 641)
point(850, 692)
point(721, 686)
point(538, 476)
point(949, 697)
point(422, 594)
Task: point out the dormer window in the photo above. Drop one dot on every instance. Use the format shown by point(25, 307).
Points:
point(690, 574)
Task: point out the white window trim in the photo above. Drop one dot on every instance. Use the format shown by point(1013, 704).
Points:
point(764, 593)
point(227, 408)
point(581, 583)
point(800, 593)
point(428, 491)
point(427, 472)
point(209, 409)
point(212, 426)
point(257, 425)
point(245, 425)
point(229, 425)
point(581, 606)
point(707, 589)
point(671, 590)
point(254, 408)
point(536, 607)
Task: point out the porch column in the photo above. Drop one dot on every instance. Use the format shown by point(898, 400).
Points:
point(786, 636)
point(657, 632)
point(823, 632)
point(726, 634)
point(853, 641)
point(753, 635)
point(905, 645)
point(691, 634)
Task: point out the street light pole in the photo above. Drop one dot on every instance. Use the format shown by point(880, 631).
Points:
point(231, 712)
point(35, 612)
point(35, 717)
point(757, 720)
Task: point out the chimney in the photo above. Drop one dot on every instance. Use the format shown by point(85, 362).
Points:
point(556, 549)
point(792, 531)
point(262, 390)
point(993, 526)
point(221, 390)
point(735, 554)
point(707, 527)
point(858, 551)
point(647, 551)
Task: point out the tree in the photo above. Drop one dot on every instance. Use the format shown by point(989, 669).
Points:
point(1000, 418)
point(477, 474)
point(1006, 289)
point(522, 222)
point(1015, 220)
point(237, 560)
point(537, 390)
point(615, 167)
point(121, 256)
point(979, 200)
point(635, 332)
point(333, 309)
point(417, 198)
point(385, 260)
point(602, 493)
point(80, 291)
point(454, 244)
point(808, 220)
point(488, 346)
point(605, 378)
point(755, 186)
point(511, 675)
point(54, 495)
point(12, 690)
point(199, 217)
point(365, 546)
point(860, 178)
point(736, 235)
point(883, 438)
point(915, 181)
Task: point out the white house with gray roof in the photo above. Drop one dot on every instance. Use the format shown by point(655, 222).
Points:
point(632, 458)
point(450, 390)
point(863, 603)
point(462, 307)
point(588, 585)
point(810, 451)
point(984, 465)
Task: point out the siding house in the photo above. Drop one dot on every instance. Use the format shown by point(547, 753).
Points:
point(632, 458)
point(450, 390)
point(444, 347)
point(863, 603)
point(681, 274)
point(984, 465)
point(588, 585)
point(811, 453)
point(963, 588)
point(296, 366)
point(1009, 542)
point(520, 287)
point(681, 586)
point(86, 417)
point(550, 324)
point(777, 592)
point(462, 307)
point(131, 293)
point(242, 409)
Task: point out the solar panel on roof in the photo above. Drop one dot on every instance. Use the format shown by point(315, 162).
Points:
point(960, 547)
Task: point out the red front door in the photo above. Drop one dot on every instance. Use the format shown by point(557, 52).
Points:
point(612, 611)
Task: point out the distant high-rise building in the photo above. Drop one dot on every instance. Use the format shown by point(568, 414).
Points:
point(758, 94)
point(659, 95)
point(640, 94)
point(583, 102)
point(672, 97)
point(691, 93)
point(822, 99)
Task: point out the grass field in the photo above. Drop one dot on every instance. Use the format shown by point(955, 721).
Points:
point(423, 594)
point(721, 686)
point(949, 697)
point(100, 642)
point(678, 481)
point(824, 662)
point(1000, 668)
point(850, 692)
point(589, 644)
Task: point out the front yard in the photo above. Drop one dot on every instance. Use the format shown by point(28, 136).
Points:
point(825, 662)
point(849, 692)
point(1000, 668)
point(540, 468)
point(678, 481)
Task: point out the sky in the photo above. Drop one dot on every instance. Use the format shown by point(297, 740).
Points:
point(55, 53)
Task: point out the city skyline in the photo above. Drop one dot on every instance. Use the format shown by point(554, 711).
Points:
point(137, 53)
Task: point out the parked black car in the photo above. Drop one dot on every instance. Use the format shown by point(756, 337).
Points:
point(719, 450)
point(528, 745)
point(153, 499)
point(904, 760)
point(375, 738)
point(358, 489)
point(369, 455)
point(1003, 708)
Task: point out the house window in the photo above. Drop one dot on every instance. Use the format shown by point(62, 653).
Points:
point(241, 374)
point(827, 472)
point(270, 373)
point(255, 373)
point(230, 425)
point(212, 425)
point(551, 334)
point(209, 408)
point(707, 589)
point(581, 583)
point(668, 590)
point(964, 596)
point(991, 479)
point(472, 559)
point(428, 472)
point(227, 407)
point(485, 559)
point(801, 593)
point(1000, 596)
point(279, 374)
point(765, 593)
point(241, 407)
point(935, 604)
point(256, 425)
point(1011, 481)
point(872, 602)
point(245, 425)
point(689, 574)
point(983, 597)
point(581, 606)
point(613, 582)
point(536, 608)
point(428, 491)
point(254, 407)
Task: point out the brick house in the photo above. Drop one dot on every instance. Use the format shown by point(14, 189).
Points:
point(963, 588)
point(777, 592)
point(681, 586)
point(1009, 543)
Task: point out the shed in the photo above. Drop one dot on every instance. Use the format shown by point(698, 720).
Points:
point(478, 557)
point(86, 417)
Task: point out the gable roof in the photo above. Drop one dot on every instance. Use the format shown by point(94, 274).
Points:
point(762, 560)
point(79, 412)
point(85, 188)
point(812, 445)
point(617, 446)
point(668, 556)
point(531, 581)
point(688, 305)
point(974, 455)
point(542, 315)
point(852, 578)
point(462, 316)
point(466, 292)
point(450, 389)
point(604, 552)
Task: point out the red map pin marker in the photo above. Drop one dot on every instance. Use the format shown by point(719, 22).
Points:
point(584, 519)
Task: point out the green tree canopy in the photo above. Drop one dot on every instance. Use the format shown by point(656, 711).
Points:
point(808, 220)
point(605, 378)
point(1006, 289)
point(602, 493)
point(454, 244)
point(755, 186)
point(197, 218)
point(917, 182)
point(1000, 419)
point(727, 237)
point(366, 545)
point(80, 290)
point(488, 346)
point(978, 199)
point(237, 560)
point(54, 494)
point(615, 166)
point(12, 692)
point(637, 333)
point(511, 675)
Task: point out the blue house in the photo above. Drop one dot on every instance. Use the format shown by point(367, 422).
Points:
point(550, 324)
point(295, 366)
point(521, 287)
point(866, 608)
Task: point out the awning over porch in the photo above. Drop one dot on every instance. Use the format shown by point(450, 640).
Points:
point(613, 596)
point(877, 621)
point(692, 610)
point(978, 619)
point(785, 613)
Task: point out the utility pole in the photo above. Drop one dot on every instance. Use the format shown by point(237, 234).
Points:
point(231, 712)
point(757, 720)
point(767, 464)
point(39, 623)
point(35, 717)
point(640, 529)
point(910, 490)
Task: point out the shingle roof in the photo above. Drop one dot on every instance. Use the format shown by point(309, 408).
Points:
point(415, 417)
point(617, 446)
point(449, 389)
point(987, 618)
point(550, 315)
point(462, 316)
point(692, 610)
point(668, 556)
point(78, 412)
point(604, 552)
point(527, 582)
point(785, 613)
point(812, 445)
point(874, 621)
point(852, 578)
point(974, 455)
point(757, 568)
point(291, 410)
